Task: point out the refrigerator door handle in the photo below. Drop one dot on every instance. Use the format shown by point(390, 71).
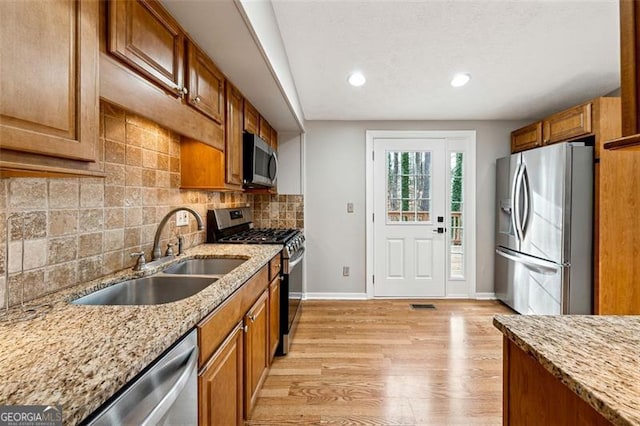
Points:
point(540, 266)
point(524, 188)
point(517, 214)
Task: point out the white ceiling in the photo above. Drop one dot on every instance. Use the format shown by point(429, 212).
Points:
point(527, 58)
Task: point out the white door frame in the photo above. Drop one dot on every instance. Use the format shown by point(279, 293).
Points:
point(458, 140)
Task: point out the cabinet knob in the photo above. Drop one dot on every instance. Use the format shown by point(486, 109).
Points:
point(246, 328)
point(182, 91)
point(252, 318)
point(197, 99)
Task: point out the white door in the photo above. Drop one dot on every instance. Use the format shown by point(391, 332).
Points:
point(409, 192)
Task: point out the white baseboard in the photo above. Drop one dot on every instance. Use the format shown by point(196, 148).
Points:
point(485, 296)
point(335, 296)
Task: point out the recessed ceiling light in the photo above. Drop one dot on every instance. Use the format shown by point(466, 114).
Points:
point(356, 79)
point(460, 79)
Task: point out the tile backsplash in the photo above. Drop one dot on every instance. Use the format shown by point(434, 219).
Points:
point(278, 211)
point(64, 231)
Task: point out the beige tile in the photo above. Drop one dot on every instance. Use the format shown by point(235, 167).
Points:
point(15, 257)
point(115, 174)
point(163, 196)
point(133, 156)
point(134, 134)
point(163, 162)
point(63, 222)
point(4, 182)
point(113, 261)
point(147, 234)
point(149, 140)
point(112, 111)
point(174, 147)
point(114, 129)
point(91, 220)
point(163, 179)
point(61, 276)
point(114, 218)
point(175, 180)
point(149, 196)
point(114, 152)
point(133, 216)
point(35, 253)
point(133, 176)
point(149, 159)
point(90, 268)
point(62, 249)
point(133, 197)
point(91, 194)
point(148, 215)
point(89, 244)
point(113, 240)
point(114, 196)
point(3, 287)
point(141, 122)
point(163, 141)
point(29, 225)
point(149, 178)
point(64, 193)
point(32, 282)
point(174, 164)
point(132, 237)
point(27, 194)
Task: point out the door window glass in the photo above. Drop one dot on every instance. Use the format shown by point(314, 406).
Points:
point(456, 220)
point(408, 186)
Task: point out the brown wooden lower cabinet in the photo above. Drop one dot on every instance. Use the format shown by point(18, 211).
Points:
point(220, 385)
point(256, 344)
point(533, 396)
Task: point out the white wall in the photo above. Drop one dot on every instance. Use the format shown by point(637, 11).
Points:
point(290, 172)
point(335, 175)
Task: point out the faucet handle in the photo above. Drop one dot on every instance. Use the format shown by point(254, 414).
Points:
point(180, 245)
point(169, 251)
point(141, 263)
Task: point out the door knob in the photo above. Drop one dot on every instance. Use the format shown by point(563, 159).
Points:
point(439, 230)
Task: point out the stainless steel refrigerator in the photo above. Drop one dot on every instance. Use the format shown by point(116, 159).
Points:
point(543, 261)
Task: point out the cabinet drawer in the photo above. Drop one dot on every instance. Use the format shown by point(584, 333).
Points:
point(274, 267)
point(567, 124)
point(527, 137)
point(216, 326)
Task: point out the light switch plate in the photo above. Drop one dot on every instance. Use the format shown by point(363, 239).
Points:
point(182, 218)
point(349, 207)
point(345, 271)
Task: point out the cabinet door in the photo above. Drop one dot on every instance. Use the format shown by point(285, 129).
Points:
point(251, 118)
point(144, 36)
point(526, 138)
point(274, 316)
point(206, 85)
point(256, 344)
point(220, 386)
point(49, 84)
point(274, 139)
point(233, 147)
point(567, 124)
point(265, 130)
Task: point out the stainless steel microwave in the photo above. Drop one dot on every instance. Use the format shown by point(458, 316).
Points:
point(260, 162)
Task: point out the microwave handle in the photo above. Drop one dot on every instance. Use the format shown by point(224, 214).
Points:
point(275, 158)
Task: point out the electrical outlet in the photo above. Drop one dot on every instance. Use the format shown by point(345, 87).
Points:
point(182, 218)
point(345, 271)
point(349, 207)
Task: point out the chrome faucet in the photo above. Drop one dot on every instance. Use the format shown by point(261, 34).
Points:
point(157, 253)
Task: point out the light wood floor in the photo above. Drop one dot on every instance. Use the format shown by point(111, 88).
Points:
point(381, 363)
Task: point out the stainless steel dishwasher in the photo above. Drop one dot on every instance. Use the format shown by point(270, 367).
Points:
point(166, 394)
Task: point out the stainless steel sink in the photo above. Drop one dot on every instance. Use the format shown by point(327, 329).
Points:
point(214, 266)
point(153, 290)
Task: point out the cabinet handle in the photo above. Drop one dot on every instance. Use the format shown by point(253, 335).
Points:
point(281, 278)
point(246, 328)
point(182, 91)
point(197, 99)
point(252, 318)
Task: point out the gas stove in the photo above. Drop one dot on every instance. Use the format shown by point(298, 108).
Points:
point(235, 226)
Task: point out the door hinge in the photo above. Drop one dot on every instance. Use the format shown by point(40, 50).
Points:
point(373, 277)
point(373, 217)
point(373, 156)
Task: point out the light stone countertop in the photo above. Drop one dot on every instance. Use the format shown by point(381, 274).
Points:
point(597, 357)
point(79, 356)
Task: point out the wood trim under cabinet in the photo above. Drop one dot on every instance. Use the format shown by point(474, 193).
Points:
point(628, 142)
point(629, 42)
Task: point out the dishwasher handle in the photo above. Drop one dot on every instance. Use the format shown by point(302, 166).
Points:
point(160, 410)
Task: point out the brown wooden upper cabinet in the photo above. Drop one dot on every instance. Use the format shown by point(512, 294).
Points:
point(49, 90)
point(144, 36)
point(274, 139)
point(567, 124)
point(251, 118)
point(265, 130)
point(234, 127)
point(599, 117)
point(527, 137)
point(205, 84)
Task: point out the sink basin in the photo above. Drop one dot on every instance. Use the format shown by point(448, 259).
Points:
point(216, 266)
point(154, 290)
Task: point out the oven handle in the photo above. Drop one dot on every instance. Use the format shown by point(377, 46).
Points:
point(296, 260)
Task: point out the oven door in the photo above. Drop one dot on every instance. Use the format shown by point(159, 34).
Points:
point(290, 299)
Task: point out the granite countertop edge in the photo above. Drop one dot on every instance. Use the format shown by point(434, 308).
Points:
point(85, 354)
point(587, 393)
